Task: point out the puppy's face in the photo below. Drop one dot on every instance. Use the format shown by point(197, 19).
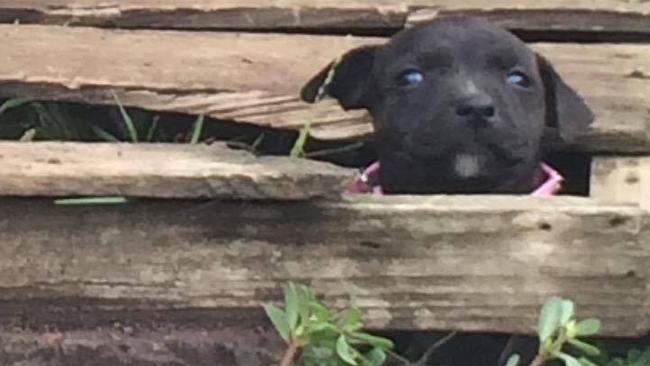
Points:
point(458, 106)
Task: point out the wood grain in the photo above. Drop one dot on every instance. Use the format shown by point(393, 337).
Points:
point(466, 263)
point(120, 344)
point(163, 171)
point(255, 78)
point(597, 16)
point(623, 179)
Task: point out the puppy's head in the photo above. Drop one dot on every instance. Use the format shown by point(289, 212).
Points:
point(458, 106)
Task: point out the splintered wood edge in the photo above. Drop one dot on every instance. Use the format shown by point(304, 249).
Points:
point(162, 171)
point(448, 263)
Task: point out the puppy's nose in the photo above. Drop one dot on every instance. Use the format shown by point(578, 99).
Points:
point(480, 105)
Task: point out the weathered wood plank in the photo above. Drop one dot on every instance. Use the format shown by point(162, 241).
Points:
point(624, 179)
point(255, 78)
point(585, 15)
point(161, 170)
point(119, 344)
point(467, 263)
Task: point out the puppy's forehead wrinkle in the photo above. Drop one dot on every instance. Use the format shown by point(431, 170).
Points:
point(508, 58)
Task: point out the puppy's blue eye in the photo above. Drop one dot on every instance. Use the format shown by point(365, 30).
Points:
point(518, 78)
point(410, 77)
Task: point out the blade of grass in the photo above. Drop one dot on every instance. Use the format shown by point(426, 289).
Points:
point(28, 135)
point(257, 142)
point(103, 134)
point(12, 103)
point(198, 128)
point(90, 201)
point(152, 128)
point(133, 133)
point(298, 149)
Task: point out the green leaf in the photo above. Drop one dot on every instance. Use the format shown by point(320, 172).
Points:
point(588, 327)
point(351, 320)
point(375, 357)
point(513, 360)
point(322, 352)
point(279, 320)
point(644, 358)
point(549, 318)
point(344, 351)
point(291, 305)
point(569, 360)
point(567, 311)
point(586, 362)
point(298, 149)
point(12, 103)
point(320, 312)
point(90, 201)
point(587, 348)
point(633, 355)
point(377, 342)
point(323, 326)
point(616, 362)
point(130, 126)
point(198, 129)
point(305, 300)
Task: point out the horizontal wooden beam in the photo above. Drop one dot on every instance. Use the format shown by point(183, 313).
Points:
point(255, 78)
point(129, 344)
point(468, 263)
point(604, 16)
point(163, 171)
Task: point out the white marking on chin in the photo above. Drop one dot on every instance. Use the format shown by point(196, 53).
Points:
point(467, 165)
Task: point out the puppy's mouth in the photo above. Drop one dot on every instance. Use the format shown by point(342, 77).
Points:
point(505, 155)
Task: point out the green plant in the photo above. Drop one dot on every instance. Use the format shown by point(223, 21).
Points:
point(197, 129)
point(558, 328)
point(317, 337)
point(634, 357)
point(298, 149)
point(130, 126)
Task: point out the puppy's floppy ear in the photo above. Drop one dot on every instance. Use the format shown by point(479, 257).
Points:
point(347, 79)
point(566, 111)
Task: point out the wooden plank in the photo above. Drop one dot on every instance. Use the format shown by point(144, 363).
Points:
point(255, 78)
point(601, 16)
point(584, 17)
point(161, 170)
point(467, 263)
point(120, 344)
point(624, 179)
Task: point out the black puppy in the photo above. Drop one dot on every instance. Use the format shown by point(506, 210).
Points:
point(459, 106)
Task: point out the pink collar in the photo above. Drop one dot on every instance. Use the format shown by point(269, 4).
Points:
point(368, 182)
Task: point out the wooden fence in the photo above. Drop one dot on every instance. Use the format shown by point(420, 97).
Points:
point(178, 273)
